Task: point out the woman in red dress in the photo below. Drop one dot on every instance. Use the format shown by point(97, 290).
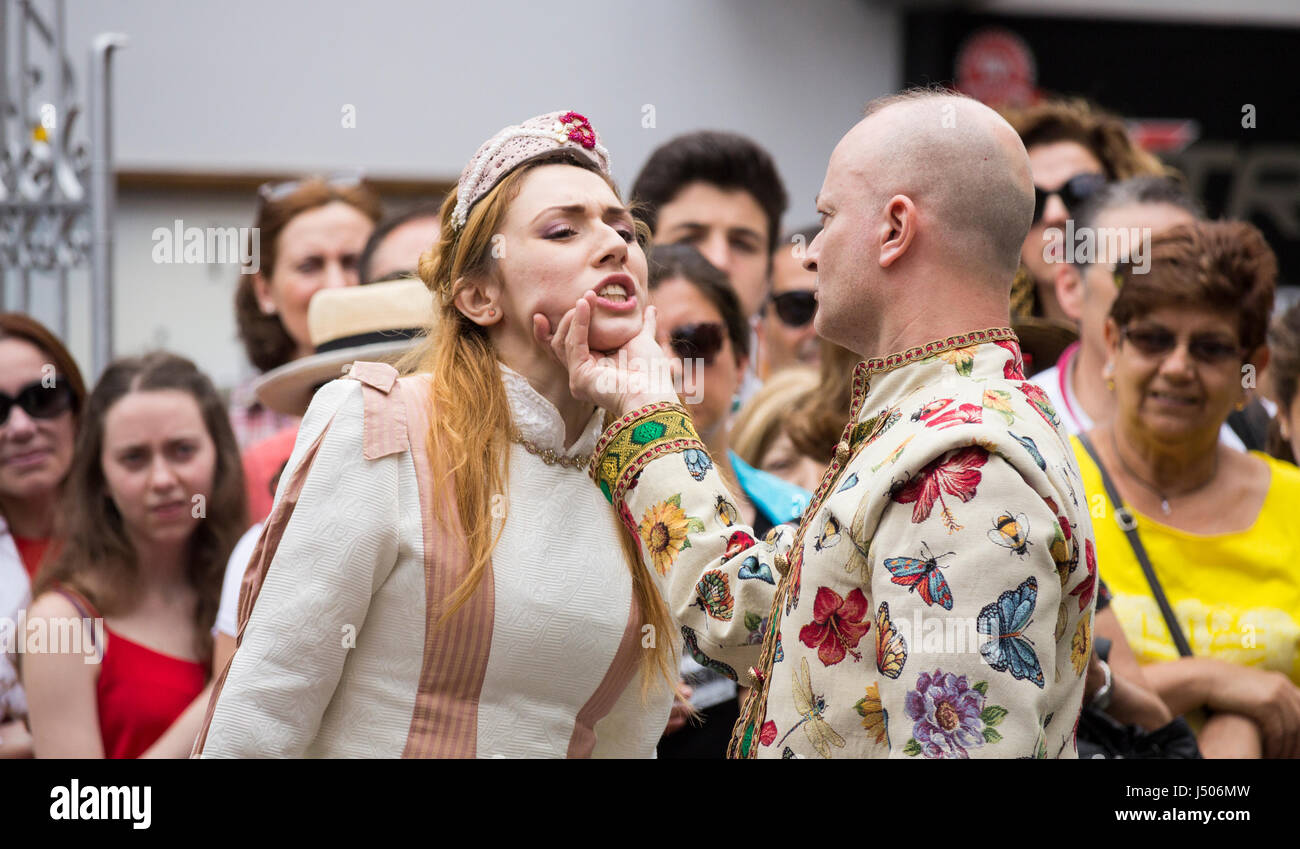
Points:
point(154, 503)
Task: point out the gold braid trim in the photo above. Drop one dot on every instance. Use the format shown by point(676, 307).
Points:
point(637, 438)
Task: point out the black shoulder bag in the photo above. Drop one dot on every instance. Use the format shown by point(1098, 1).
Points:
point(1100, 736)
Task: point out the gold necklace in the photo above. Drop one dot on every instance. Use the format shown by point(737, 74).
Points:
point(577, 462)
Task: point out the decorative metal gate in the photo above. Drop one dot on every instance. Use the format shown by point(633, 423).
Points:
point(56, 179)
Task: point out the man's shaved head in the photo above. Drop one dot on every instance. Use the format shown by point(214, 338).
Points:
point(959, 161)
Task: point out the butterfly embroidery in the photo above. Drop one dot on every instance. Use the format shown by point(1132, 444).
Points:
point(891, 648)
point(922, 576)
point(796, 580)
point(1006, 621)
point(714, 597)
point(693, 648)
point(753, 568)
point(697, 463)
point(849, 482)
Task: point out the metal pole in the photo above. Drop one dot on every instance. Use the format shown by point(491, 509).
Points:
point(101, 200)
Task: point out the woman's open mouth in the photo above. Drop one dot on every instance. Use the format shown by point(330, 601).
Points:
point(616, 293)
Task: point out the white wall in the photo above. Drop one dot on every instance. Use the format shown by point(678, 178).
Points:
point(259, 86)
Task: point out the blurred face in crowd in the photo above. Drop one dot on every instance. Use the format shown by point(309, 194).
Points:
point(1290, 420)
point(686, 313)
point(565, 234)
point(1090, 303)
point(35, 447)
point(317, 249)
point(785, 341)
point(1177, 373)
point(729, 227)
point(399, 252)
point(157, 456)
point(784, 460)
point(1053, 164)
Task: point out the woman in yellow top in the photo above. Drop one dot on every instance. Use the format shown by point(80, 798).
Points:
point(1218, 525)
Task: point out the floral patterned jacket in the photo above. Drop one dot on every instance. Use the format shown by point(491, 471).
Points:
point(936, 601)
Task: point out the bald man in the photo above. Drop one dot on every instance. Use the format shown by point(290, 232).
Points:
point(936, 600)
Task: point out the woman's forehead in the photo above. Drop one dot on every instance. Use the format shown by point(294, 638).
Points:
point(1190, 318)
point(561, 185)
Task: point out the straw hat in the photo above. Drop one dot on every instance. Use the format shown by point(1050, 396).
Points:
point(376, 322)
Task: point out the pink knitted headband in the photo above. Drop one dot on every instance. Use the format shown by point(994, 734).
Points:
point(502, 153)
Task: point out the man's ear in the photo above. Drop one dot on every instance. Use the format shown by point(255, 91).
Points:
point(898, 229)
point(262, 292)
point(479, 299)
point(1069, 289)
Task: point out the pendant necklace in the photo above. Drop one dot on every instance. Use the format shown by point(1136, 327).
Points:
point(1164, 498)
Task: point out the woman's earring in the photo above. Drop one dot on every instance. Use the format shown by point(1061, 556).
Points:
point(492, 313)
point(1241, 405)
point(1110, 380)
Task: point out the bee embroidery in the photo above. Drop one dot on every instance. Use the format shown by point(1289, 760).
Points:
point(727, 513)
point(830, 534)
point(1011, 532)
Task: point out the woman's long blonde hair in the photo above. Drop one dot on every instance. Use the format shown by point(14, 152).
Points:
point(469, 435)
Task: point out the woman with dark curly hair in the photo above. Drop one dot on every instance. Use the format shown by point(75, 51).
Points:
point(1197, 541)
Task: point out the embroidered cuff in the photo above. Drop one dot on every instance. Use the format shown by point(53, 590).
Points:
point(636, 439)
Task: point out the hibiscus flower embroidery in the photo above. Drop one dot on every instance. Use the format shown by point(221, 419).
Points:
point(1014, 367)
point(956, 473)
point(838, 625)
point(962, 414)
point(950, 717)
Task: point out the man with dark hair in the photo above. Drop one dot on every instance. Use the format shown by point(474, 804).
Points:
point(721, 193)
point(395, 245)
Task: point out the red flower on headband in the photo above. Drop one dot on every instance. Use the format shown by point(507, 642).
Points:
point(580, 131)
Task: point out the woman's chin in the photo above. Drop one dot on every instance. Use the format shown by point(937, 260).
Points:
point(609, 333)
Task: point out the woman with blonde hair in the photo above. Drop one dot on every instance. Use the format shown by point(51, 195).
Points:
point(760, 432)
point(439, 578)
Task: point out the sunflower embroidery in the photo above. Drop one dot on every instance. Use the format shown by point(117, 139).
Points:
point(663, 530)
point(875, 719)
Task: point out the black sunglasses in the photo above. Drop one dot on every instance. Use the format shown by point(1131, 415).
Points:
point(1077, 189)
point(697, 341)
point(37, 401)
point(1158, 342)
point(797, 308)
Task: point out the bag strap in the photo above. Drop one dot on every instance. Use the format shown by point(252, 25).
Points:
point(1128, 524)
